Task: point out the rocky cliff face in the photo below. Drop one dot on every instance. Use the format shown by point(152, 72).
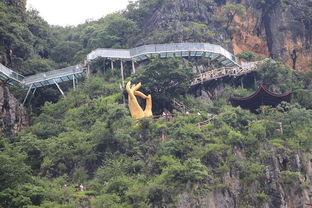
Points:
point(281, 30)
point(13, 115)
point(181, 21)
point(276, 181)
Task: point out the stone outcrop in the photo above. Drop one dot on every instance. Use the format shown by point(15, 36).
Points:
point(13, 114)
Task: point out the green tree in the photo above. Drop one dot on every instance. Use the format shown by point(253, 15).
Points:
point(246, 55)
point(13, 170)
point(232, 10)
point(165, 79)
point(113, 31)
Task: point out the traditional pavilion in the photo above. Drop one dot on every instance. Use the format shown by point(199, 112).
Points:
point(260, 98)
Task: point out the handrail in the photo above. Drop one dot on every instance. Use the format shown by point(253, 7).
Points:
point(224, 71)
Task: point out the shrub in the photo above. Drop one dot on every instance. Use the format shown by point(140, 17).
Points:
point(246, 55)
point(289, 177)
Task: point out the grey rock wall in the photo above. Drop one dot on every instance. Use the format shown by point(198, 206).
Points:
point(13, 115)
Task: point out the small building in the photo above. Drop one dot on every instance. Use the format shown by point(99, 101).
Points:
point(260, 98)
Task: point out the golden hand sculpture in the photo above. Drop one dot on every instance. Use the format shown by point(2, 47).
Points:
point(134, 107)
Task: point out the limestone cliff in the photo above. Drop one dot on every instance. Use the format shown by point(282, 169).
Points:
point(183, 21)
point(13, 114)
point(281, 30)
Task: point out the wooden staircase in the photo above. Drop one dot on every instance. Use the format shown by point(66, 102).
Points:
point(223, 72)
point(178, 105)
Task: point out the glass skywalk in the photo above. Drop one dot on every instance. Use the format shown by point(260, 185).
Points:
point(214, 52)
point(42, 79)
point(211, 51)
point(58, 76)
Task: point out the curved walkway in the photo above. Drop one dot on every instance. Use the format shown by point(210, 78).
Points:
point(210, 51)
point(214, 52)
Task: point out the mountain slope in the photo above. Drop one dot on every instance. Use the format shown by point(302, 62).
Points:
point(213, 156)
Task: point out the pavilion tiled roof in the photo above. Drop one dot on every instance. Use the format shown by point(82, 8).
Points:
point(261, 97)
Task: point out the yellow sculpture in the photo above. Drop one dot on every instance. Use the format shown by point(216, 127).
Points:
point(134, 107)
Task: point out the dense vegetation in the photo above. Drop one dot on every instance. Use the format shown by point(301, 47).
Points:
point(89, 137)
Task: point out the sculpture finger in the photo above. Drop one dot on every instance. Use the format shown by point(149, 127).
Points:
point(140, 94)
point(148, 108)
point(136, 87)
point(128, 86)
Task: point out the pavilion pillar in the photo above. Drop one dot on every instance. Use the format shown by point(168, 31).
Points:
point(122, 73)
point(133, 68)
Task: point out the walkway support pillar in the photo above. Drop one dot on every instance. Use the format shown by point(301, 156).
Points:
point(281, 126)
point(32, 95)
point(112, 64)
point(59, 88)
point(74, 82)
point(133, 67)
point(242, 82)
point(27, 94)
point(122, 73)
point(88, 70)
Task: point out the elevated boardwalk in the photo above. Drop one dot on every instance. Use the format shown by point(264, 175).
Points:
point(55, 76)
point(43, 79)
point(211, 51)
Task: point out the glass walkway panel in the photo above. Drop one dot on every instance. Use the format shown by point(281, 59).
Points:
point(42, 79)
point(9, 76)
point(58, 76)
